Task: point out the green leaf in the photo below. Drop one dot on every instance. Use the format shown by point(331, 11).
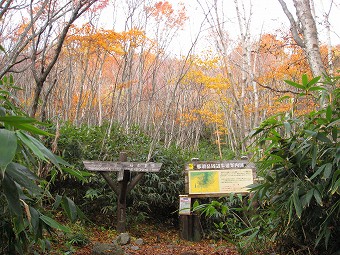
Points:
point(281, 99)
point(24, 123)
point(57, 202)
point(20, 175)
point(317, 197)
point(11, 79)
point(323, 138)
point(318, 172)
point(297, 205)
point(17, 120)
point(28, 142)
point(56, 160)
point(307, 198)
point(40, 150)
point(304, 80)
point(2, 49)
point(335, 187)
point(313, 82)
point(12, 195)
point(8, 147)
point(335, 133)
point(328, 171)
point(35, 223)
point(314, 155)
point(80, 175)
point(224, 210)
point(54, 224)
point(32, 129)
point(311, 133)
point(329, 113)
point(70, 208)
point(317, 88)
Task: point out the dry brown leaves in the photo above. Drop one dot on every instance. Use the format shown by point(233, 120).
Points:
point(159, 240)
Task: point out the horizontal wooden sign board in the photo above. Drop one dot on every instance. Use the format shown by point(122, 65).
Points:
point(109, 166)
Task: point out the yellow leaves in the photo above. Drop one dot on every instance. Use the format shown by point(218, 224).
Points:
point(210, 117)
point(209, 113)
point(203, 72)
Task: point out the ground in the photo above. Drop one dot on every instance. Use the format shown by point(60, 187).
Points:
point(157, 240)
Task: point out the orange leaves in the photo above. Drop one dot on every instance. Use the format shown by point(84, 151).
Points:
point(89, 38)
point(127, 84)
point(164, 12)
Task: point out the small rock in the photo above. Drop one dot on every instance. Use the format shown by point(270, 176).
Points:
point(139, 241)
point(106, 249)
point(134, 248)
point(123, 239)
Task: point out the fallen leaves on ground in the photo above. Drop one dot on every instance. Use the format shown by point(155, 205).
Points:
point(160, 240)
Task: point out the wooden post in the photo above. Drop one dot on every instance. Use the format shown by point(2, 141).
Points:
point(121, 201)
point(124, 183)
point(196, 228)
point(184, 226)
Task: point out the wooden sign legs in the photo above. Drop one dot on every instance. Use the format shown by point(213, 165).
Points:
point(122, 188)
point(124, 182)
point(121, 201)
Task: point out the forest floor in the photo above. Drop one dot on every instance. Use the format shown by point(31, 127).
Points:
point(157, 240)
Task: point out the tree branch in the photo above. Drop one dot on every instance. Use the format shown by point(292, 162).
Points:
point(275, 90)
point(293, 25)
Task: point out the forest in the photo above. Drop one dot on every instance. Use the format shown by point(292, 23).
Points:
point(89, 79)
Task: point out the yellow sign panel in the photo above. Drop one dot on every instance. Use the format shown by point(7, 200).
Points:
point(220, 181)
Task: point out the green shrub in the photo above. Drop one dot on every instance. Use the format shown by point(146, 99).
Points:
point(154, 196)
point(300, 167)
point(298, 199)
point(23, 218)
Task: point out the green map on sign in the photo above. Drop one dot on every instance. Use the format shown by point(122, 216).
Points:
point(204, 182)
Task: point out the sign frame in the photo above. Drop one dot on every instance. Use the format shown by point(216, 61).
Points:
point(220, 167)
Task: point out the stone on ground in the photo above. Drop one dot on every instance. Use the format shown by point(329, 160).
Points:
point(123, 238)
point(106, 249)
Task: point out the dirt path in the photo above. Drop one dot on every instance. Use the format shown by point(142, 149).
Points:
point(159, 241)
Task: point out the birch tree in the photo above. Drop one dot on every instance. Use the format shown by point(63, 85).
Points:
point(305, 33)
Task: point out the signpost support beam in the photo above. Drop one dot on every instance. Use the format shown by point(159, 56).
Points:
point(110, 182)
point(135, 180)
point(124, 183)
point(121, 202)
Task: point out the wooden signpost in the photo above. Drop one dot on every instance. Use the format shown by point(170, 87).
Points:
point(211, 179)
point(124, 182)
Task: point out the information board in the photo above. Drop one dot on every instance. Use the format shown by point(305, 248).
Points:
point(219, 177)
point(220, 181)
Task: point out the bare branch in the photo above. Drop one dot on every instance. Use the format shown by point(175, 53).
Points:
point(294, 27)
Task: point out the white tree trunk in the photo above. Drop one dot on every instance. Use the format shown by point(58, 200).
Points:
point(309, 41)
